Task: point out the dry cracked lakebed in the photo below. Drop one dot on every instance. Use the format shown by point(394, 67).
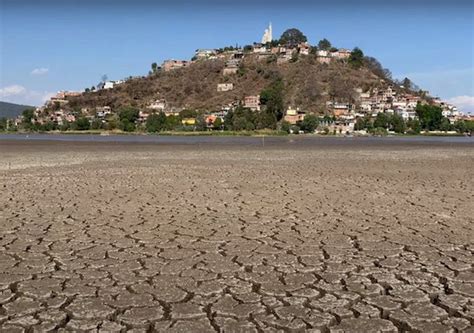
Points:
point(232, 238)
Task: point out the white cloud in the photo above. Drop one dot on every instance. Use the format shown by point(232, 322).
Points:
point(21, 95)
point(464, 103)
point(12, 90)
point(40, 71)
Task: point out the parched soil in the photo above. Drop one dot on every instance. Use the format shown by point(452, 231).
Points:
point(228, 238)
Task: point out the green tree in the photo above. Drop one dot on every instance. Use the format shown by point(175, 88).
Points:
point(356, 59)
point(188, 114)
point(218, 123)
point(414, 126)
point(156, 122)
point(430, 116)
point(397, 123)
point(324, 45)
point(3, 124)
point(382, 120)
point(445, 125)
point(96, 124)
point(272, 98)
point(407, 84)
point(154, 67)
point(309, 123)
point(285, 126)
point(128, 116)
point(28, 119)
point(81, 124)
point(292, 37)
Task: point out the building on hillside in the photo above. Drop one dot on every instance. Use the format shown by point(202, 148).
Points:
point(230, 71)
point(322, 53)
point(341, 54)
point(109, 84)
point(259, 48)
point(159, 105)
point(252, 102)
point(201, 54)
point(169, 65)
point(293, 115)
point(323, 60)
point(267, 35)
point(225, 87)
point(102, 111)
point(188, 121)
point(303, 48)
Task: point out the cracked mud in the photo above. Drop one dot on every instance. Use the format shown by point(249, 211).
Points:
point(144, 238)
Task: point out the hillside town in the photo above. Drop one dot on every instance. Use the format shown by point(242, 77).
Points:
point(339, 116)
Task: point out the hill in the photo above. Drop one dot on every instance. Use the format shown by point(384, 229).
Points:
point(307, 84)
point(11, 110)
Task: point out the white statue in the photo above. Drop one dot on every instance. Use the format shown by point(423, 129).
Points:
point(267, 35)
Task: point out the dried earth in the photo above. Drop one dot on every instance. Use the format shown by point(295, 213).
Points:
point(290, 237)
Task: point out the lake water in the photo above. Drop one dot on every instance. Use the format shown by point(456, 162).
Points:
point(240, 140)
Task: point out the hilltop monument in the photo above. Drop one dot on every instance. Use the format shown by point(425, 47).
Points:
point(267, 35)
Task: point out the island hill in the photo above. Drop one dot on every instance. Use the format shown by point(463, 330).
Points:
point(285, 84)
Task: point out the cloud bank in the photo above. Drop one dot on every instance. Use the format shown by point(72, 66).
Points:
point(18, 94)
point(464, 103)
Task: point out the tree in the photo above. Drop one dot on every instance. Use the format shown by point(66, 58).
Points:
point(156, 122)
point(28, 118)
point(356, 58)
point(445, 125)
point(407, 84)
point(292, 37)
point(430, 116)
point(96, 124)
point(324, 45)
point(186, 113)
point(309, 123)
point(382, 121)
point(397, 123)
point(272, 98)
point(3, 124)
point(81, 124)
point(413, 125)
point(217, 124)
point(128, 116)
point(154, 67)
point(285, 126)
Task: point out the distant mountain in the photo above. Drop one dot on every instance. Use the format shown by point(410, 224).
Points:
point(11, 110)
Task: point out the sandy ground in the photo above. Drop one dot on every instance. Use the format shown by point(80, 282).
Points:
point(218, 238)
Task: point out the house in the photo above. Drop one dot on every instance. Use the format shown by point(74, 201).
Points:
point(188, 121)
point(252, 102)
point(159, 104)
point(143, 116)
point(259, 48)
point(171, 64)
point(323, 60)
point(293, 115)
point(201, 54)
point(225, 86)
point(341, 54)
point(108, 84)
point(303, 48)
point(322, 53)
point(103, 111)
point(230, 71)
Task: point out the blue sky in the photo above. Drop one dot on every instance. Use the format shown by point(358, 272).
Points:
point(53, 45)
